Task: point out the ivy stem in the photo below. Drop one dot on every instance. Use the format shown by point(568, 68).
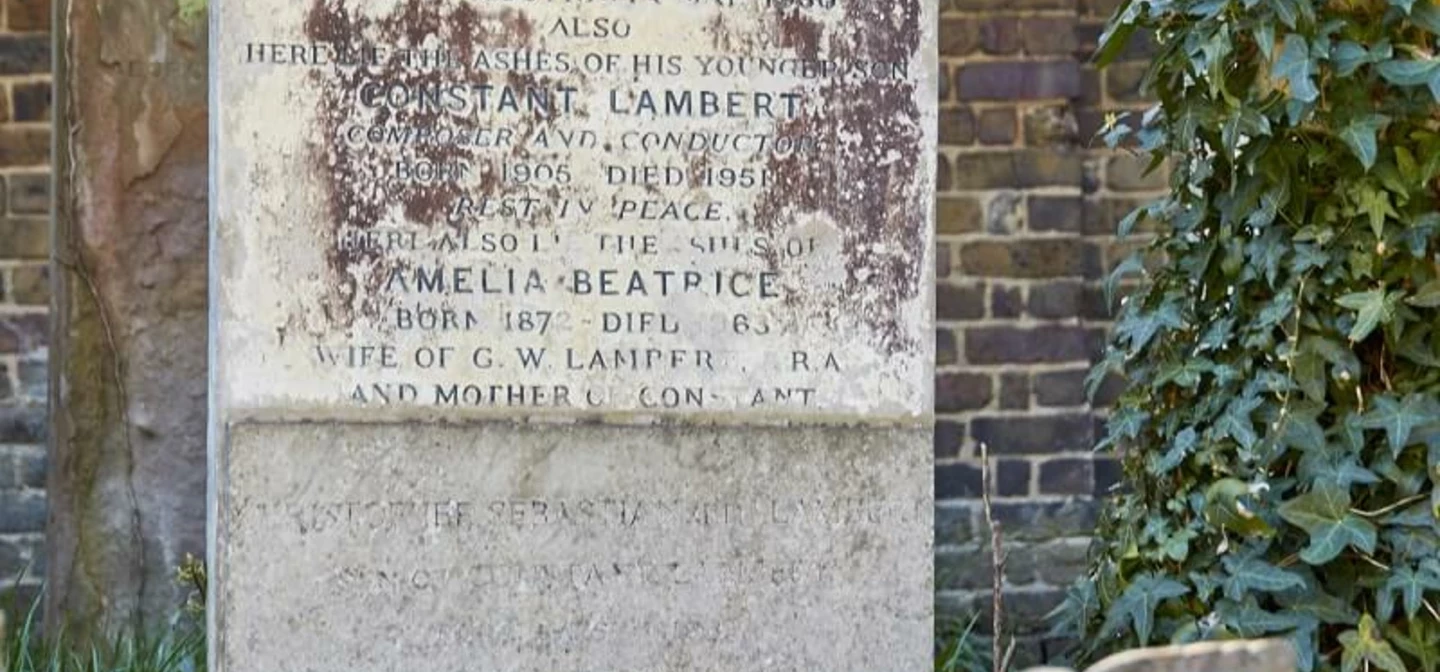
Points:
point(1382, 511)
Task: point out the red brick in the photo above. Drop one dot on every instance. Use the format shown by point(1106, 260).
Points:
point(27, 15)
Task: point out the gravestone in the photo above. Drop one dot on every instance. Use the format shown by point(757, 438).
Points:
point(584, 336)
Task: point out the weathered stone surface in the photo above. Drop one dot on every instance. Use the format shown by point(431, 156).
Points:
point(128, 456)
point(513, 547)
point(652, 347)
point(797, 252)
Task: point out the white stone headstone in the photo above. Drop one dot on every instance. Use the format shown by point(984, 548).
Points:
point(581, 336)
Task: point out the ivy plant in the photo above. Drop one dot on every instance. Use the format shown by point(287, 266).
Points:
point(1280, 339)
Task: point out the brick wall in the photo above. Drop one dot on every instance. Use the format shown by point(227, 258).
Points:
point(1026, 204)
point(24, 283)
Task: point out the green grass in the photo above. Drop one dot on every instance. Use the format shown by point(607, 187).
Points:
point(180, 647)
point(960, 649)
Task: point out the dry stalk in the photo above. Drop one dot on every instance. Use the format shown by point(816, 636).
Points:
point(1000, 654)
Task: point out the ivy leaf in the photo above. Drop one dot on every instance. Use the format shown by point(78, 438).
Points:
point(1428, 296)
point(1296, 67)
point(1365, 645)
point(1422, 642)
point(1427, 16)
point(1348, 57)
point(1132, 264)
point(1252, 574)
point(1249, 620)
point(1411, 583)
point(1373, 307)
point(1236, 422)
point(1117, 33)
point(1375, 203)
point(1137, 605)
point(1180, 447)
point(1360, 135)
point(1324, 513)
point(1405, 72)
point(1400, 418)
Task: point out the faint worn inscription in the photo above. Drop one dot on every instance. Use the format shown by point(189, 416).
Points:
point(541, 206)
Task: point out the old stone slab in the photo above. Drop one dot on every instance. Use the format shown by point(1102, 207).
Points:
point(574, 547)
point(670, 207)
point(582, 336)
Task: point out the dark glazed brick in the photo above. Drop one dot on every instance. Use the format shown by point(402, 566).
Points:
point(957, 126)
point(1030, 259)
point(942, 173)
point(32, 467)
point(1099, 8)
point(955, 392)
point(1047, 520)
point(21, 513)
point(958, 37)
point(957, 481)
point(945, 79)
point(949, 438)
point(24, 238)
point(954, 524)
point(1017, 345)
point(1004, 213)
point(1014, 391)
point(1051, 126)
point(1024, 611)
point(1100, 216)
point(953, 302)
point(1012, 478)
point(1054, 562)
point(1018, 170)
point(957, 214)
point(1012, 5)
point(31, 101)
point(1000, 36)
point(1019, 80)
point(24, 54)
point(24, 147)
point(7, 393)
point(1123, 81)
point(968, 569)
point(34, 379)
point(997, 126)
point(1067, 476)
point(24, 16)
point(1110, 390)
point(20, 424)
point(22, 333)
point(31, 285)
point(1035, 435)
point(1108, 474)
point(1049, 36)
point(1061, 388)
point(1006, 301)
point(1127, 173)
point(942, 260)
point(1056, 213)
point(30, 193)
point(1091, 93)
point(945, 352)
point(1057, 300)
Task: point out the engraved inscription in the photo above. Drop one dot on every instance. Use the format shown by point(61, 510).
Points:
point(657, 207)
